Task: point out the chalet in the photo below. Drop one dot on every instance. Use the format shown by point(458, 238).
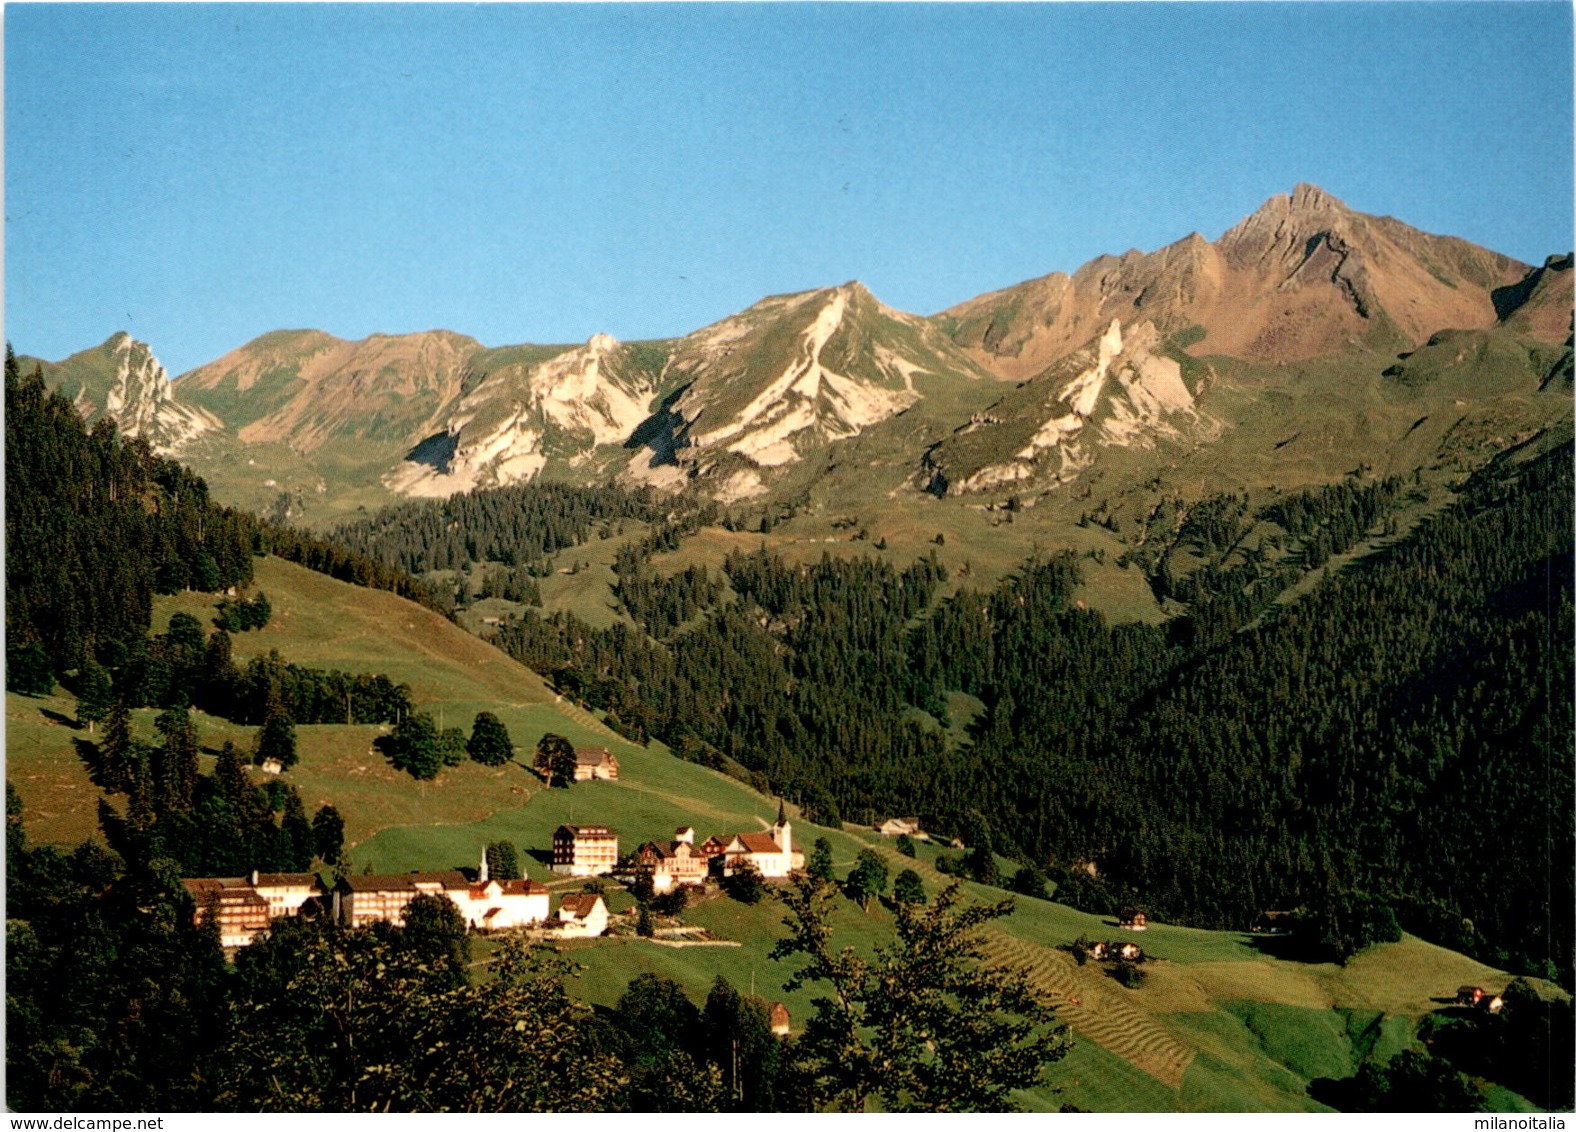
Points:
point(771, 853)
point(777, 1019)
point(362, 900)
point(1129, 951)
point(1099, 951)
point(671, 863)
point(595, 762)
point(494, 905)
point(899, 827)
point(584, 850)
point(583, 914)
point(1132, 920)
point(233, 904)
point(1480, 998)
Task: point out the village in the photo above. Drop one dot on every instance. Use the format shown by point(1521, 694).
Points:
point(244, 908)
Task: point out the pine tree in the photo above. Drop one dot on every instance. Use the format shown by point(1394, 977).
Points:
point(328, 835)
point(297, 835)
point(178, 763)
point(115, 750)
point(503, 860)
point(820, 863)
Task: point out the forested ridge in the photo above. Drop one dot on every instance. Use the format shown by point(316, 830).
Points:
point(1393, 747)
point(513, 526)
point(96, 524)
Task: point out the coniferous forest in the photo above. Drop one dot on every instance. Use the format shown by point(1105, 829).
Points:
point(95, 526)
point(1391, 749)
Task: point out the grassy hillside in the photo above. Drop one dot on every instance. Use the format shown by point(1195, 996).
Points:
point(1218, 1025)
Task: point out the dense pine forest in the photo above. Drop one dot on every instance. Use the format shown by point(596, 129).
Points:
point(96, 524)
point(1391, 750)
point(513, 526)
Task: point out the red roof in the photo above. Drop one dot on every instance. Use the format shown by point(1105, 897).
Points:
point(223, 890)
point(406, 882)
point(580, 905)
point(759, 843)
point(510, 888)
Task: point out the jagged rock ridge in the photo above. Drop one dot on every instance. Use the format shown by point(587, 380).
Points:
point(121, 379)
point(519, 416)
point(1116, 391)
point(789, 375)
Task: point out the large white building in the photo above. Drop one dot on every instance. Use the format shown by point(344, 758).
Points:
point(487, 904)
point(771, 853)
point(584, 850)
point(494, 905)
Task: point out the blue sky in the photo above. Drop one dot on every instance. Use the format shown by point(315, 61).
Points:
point(201, 174)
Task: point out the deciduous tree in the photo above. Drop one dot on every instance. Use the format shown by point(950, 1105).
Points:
point(489, 744)
point(869, 878)
point(924, 1024)
point(555, 756)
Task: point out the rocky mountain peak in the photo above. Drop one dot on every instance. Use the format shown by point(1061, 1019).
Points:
point(1311, 198)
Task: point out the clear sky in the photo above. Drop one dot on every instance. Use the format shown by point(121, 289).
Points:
point(201, 174)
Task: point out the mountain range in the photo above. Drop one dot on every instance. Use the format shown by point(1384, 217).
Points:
point(1192, 348)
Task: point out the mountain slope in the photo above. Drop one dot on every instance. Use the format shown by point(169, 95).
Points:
point(1115, 391)
point(527, 412)
point(792, 374)
point(303, 388)
point(1218, 1024)
point(1540, 304)
point(1303, 276)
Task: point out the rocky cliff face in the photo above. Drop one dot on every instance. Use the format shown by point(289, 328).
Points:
point(1116, 391)
point(121, 379)
point(523, 414)
point(793, 373)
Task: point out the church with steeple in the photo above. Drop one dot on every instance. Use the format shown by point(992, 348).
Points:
point(770, 852)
